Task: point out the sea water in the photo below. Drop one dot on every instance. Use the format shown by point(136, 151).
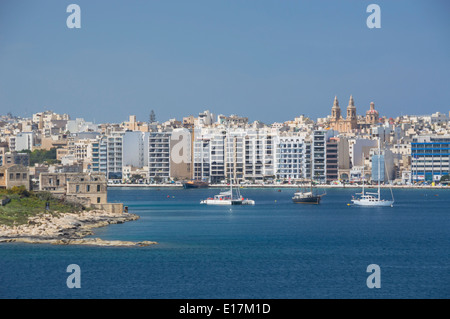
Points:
point(274, 249)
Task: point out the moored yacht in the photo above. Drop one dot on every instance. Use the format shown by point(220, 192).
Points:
point(226, 198)
point(367, 198)
point(305, 197)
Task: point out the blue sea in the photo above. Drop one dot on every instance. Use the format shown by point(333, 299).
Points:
point(274, 250)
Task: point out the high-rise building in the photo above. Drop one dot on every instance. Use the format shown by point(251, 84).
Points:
point(130, 148)
point(382, 161)
point(159, 156)
point(332, 159)
point(114, 152)
point(430, 157)
point(290, 158)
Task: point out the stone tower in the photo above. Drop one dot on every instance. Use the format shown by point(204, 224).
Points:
point(372, 115)
point(336, 110)
point(351, 109)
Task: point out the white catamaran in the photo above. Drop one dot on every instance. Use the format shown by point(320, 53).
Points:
point(373, 199)
point(228, 198)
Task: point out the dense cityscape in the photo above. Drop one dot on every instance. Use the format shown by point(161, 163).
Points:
point(336, 149)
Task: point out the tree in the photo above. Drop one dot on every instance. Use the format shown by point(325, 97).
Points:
point(152, 118)
point(41, 156)
point(135, 177)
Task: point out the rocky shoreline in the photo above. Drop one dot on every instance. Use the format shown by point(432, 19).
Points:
point(68, 229)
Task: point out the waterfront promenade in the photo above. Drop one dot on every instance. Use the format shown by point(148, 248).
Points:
point(286, 186)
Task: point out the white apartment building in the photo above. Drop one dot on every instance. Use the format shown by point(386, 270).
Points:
point(290, 159)
point(259, 154)
point(114, 153)
point(359, 148)
point(159, 156)
point(205, 118)
point(80, 125)
point(233, 154)
point(240, 153)
point(128, 148)
point(202, 155)
point(318, 153)
point(21, 141)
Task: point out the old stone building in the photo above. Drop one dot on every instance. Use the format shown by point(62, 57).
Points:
point(350, 122)
point(343, 125)
point(372, 116)
point(90, 189)
point(14, 175)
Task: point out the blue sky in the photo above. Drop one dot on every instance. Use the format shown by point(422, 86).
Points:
point(267, 60)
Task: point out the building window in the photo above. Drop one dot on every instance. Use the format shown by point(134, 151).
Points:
point(11, 176)
point(98, 200)
point(88, 188)
point(77, 189)
point(24, 175)
point(98, 188)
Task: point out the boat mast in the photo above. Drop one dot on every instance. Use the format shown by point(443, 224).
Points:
point(364, 176)
point(379, 177)
point(201, 156)
point(390, 187)
point(228, 167)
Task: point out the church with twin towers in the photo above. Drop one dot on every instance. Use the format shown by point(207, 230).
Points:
point(350, 122)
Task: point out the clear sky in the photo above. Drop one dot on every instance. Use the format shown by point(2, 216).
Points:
point(269, 60)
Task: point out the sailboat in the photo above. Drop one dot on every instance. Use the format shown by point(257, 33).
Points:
point(307, 197)
point(228, 198)
point(373, 199)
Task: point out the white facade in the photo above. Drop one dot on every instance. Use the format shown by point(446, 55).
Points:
point(290, 161)
point(128, 148)
point(135, 148)
point(22, 141)
point(80, 125)
point(159, 156)
point(359, 148)
point(319, 154)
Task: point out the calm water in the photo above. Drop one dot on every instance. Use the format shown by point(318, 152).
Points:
point(275, 249)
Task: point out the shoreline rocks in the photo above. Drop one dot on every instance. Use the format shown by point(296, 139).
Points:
point(68, 229)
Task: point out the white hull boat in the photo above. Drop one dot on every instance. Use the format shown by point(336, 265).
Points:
point(373, 199)
point(368, 200)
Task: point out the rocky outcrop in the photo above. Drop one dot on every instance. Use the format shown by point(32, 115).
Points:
point(80, 241)
point(68, 229)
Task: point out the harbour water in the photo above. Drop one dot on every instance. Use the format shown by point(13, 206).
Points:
point(274, 249)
